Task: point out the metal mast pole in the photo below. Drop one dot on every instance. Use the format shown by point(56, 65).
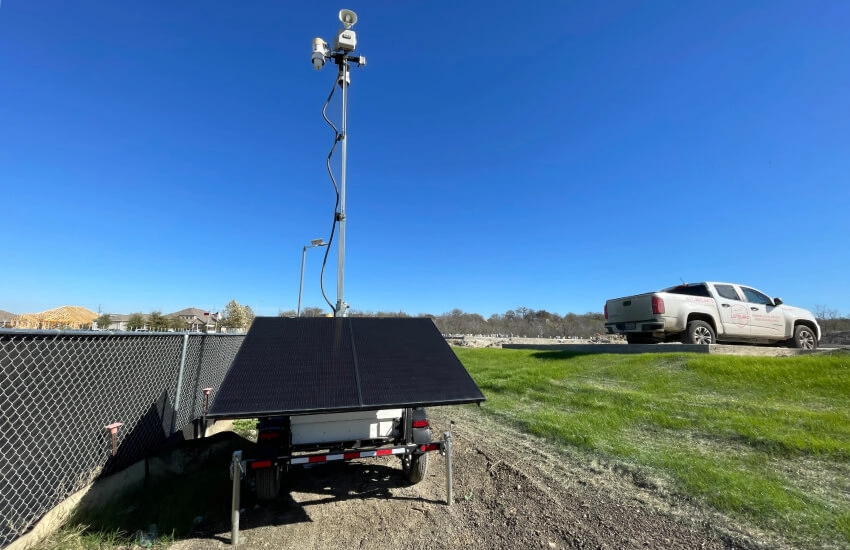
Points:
point(344, 44)
point(301, 284)
point(341, 310)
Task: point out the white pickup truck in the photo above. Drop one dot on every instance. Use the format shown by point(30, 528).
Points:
point(708, 313)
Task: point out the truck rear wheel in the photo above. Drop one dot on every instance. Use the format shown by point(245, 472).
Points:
point(804, 338)
point(268, 483)
point(417, 469)
point(699, 332)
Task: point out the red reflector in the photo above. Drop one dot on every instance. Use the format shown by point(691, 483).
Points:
point(383, 452)
point(420, 423)
point(269, 435)
point(321, 458)
point(261, 464)
point(606, 311)
point(349, 456)
point(431, 447)
point(657, 306)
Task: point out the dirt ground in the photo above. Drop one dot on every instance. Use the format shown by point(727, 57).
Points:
point(511, 491)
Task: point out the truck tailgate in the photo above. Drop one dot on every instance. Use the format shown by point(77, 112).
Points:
point(630, 309)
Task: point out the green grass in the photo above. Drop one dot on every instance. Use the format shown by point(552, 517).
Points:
point(246, 427)
point(763, 439)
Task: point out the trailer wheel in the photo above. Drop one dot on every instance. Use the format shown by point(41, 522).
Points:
point(268, 483)
point(418, 468)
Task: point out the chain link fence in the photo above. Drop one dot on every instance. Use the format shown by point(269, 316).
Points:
point(60, 392)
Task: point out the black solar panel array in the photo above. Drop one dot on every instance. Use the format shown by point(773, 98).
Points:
point(326, 364)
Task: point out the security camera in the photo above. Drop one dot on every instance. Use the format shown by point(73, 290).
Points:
point(320, 51)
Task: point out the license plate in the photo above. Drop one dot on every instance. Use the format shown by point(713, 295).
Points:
point(630, 326)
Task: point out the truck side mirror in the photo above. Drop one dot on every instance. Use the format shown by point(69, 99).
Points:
point(777, 301)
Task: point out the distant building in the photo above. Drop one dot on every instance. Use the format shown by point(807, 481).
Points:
point(65, 317)
point(118, 322)
point(197, 320)
point(6, 319)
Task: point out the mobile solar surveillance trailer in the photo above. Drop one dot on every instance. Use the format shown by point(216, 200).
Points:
point(338, 388)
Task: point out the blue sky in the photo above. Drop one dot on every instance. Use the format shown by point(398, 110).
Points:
point(551, 155)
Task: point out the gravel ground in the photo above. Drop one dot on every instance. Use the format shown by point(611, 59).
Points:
point(511, 491)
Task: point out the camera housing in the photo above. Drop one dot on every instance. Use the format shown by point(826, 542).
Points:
point(320, 51)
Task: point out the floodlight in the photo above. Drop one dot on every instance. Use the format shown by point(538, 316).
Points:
point(317, 242)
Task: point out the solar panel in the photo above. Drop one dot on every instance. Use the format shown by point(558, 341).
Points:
point(307, 365)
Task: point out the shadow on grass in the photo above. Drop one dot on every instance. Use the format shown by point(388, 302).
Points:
point(559, 355)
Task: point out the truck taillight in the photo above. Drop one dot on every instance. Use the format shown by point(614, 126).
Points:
point(420, 423)
point(265, 436)
point(606, 312)
point(657, 306)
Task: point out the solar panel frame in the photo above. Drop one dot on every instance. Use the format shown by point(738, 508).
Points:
point(292, 366)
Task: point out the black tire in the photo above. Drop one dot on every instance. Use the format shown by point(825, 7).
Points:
point(418, 468)
point(700, 333)
point(268, 483)
point(804, 338)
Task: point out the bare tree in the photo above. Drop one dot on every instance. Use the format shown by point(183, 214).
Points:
point(312, 312)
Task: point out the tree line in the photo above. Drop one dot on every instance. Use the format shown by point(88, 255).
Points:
point(521, 322)
point(830, 321)
point(234, 316)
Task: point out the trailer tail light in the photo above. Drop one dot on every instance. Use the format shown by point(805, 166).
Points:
point(265, 436)
point(261, 464)
point(606, 312)
point(657, 306)
point(420, 423)
point(429, 447)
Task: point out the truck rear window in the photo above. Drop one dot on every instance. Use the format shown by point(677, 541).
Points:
point(690, 290)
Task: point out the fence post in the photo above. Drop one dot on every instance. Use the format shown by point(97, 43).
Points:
point(236, 473)
point(179, 383)
point(447, 437)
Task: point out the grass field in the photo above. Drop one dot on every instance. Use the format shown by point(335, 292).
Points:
point(765, 440)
